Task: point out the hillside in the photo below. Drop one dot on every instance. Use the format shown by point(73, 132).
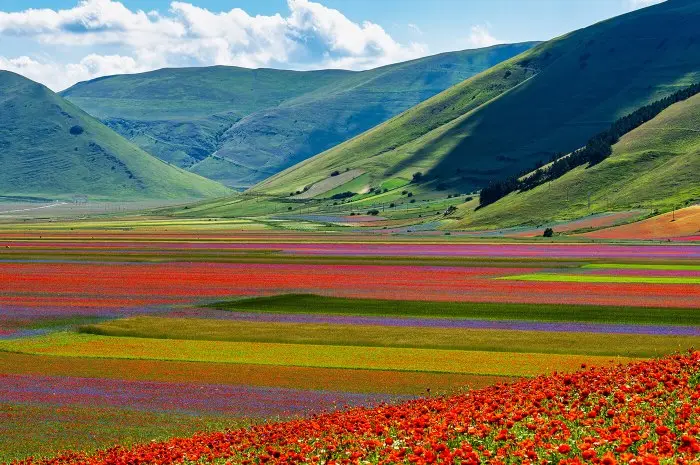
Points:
point(240, 126)
point(548, 100)
point(179, 115)
point(656, 166)
point(51, 148)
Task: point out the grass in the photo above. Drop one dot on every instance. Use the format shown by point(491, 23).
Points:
point(259, 122)
point(321, 356)
point(44, 159)
point(42, 430)
point(313, 304)
point(487, 340)
point(589, 278)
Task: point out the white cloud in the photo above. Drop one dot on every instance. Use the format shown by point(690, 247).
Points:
point(636, 4)
point(311, 36)
point(415, 28)
point(480, 36)
point(60, 76)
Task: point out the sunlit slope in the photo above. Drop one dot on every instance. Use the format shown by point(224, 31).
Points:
point(240, 126)
point(548, 100)
point(50, 149)
point(656, 166)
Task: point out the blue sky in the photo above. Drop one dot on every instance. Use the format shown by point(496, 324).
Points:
point(61, 42)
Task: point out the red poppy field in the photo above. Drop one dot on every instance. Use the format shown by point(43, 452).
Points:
point(132, 338)
point(644, 413)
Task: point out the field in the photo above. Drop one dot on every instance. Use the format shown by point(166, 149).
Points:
point(124, 335)
point(608, 416)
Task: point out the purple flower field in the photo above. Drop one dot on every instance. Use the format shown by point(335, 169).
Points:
point(602, 328)
point(190, 398)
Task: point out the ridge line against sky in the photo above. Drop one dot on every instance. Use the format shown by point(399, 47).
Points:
point(61, 42)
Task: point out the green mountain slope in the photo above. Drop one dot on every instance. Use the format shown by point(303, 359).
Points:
point(548, 100)
point(50, 148)
point(180, 114)
point(656, 166)
point(271, 140)
point(240, 126)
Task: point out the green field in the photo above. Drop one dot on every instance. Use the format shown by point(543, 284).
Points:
point(321, 356)
point(642, 266)
point(589, 278)
point(487, 340)
point(42, 159)
point(483, 311)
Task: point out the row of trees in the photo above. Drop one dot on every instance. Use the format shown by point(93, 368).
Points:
point(598, 148)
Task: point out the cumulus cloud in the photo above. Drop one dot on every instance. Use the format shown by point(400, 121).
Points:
point(60, 76)
point(480, 36)
point(309, 36)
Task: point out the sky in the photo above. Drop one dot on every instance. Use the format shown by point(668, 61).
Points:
point(62, 42)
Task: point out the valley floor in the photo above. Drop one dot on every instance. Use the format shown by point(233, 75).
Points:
point(161, 328)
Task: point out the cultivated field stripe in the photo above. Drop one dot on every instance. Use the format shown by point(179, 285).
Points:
point(643, 266)
point(491, 340)
point(376, 358)
point(588, 278)
point(309, 378)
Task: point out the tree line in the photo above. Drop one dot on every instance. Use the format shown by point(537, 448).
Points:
point(597, 149)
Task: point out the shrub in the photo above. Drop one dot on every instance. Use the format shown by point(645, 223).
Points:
point(335, 173)
point(76, 130)
point(373, 212)
point(342, 195)
point(549, 232)
point(417, 176)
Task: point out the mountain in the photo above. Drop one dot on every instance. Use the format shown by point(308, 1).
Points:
point(656, 166)
point(179, 115)
point(548, 100)
point(240, 126)
point(50, 148)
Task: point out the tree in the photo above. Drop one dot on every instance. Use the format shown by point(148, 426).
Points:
point(549, 232)
point(76, 130)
